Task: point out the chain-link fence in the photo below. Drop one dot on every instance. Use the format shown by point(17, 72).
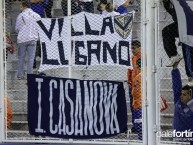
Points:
point(20, 54)
point(85, 18)
point(173, 71)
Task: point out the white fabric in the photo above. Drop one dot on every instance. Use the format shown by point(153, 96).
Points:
point(26, 26)
point(113, 13)
point(105, 12)
point(117, 3)
point(96, 23)
point(137, 120)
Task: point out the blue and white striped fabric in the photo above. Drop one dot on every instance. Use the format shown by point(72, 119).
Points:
point(184, 10)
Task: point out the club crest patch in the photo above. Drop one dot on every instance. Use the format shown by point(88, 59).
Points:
point(123, 24)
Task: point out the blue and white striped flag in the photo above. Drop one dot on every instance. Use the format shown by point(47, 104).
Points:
point(184, 11)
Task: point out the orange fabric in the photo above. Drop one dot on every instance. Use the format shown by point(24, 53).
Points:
point(9, 41)
point(9, 112)
point(136, 92)
point(131, 74)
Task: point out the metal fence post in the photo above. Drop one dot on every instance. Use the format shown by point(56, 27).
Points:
point(69, 40)
point(150, 53)
point(156, 45)
point(1, 72)
point(144, 72)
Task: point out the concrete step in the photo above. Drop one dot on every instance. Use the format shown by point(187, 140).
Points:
point(166, 126)
point(11, 75)
point(19, 116)
point(19, 106)
point(17, 95)
point(18, 134)
point(19, 125)
point(166, 118)
point(166, 83)
point(17, 84)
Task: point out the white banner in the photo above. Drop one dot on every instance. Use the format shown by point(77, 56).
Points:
point(95, 40)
